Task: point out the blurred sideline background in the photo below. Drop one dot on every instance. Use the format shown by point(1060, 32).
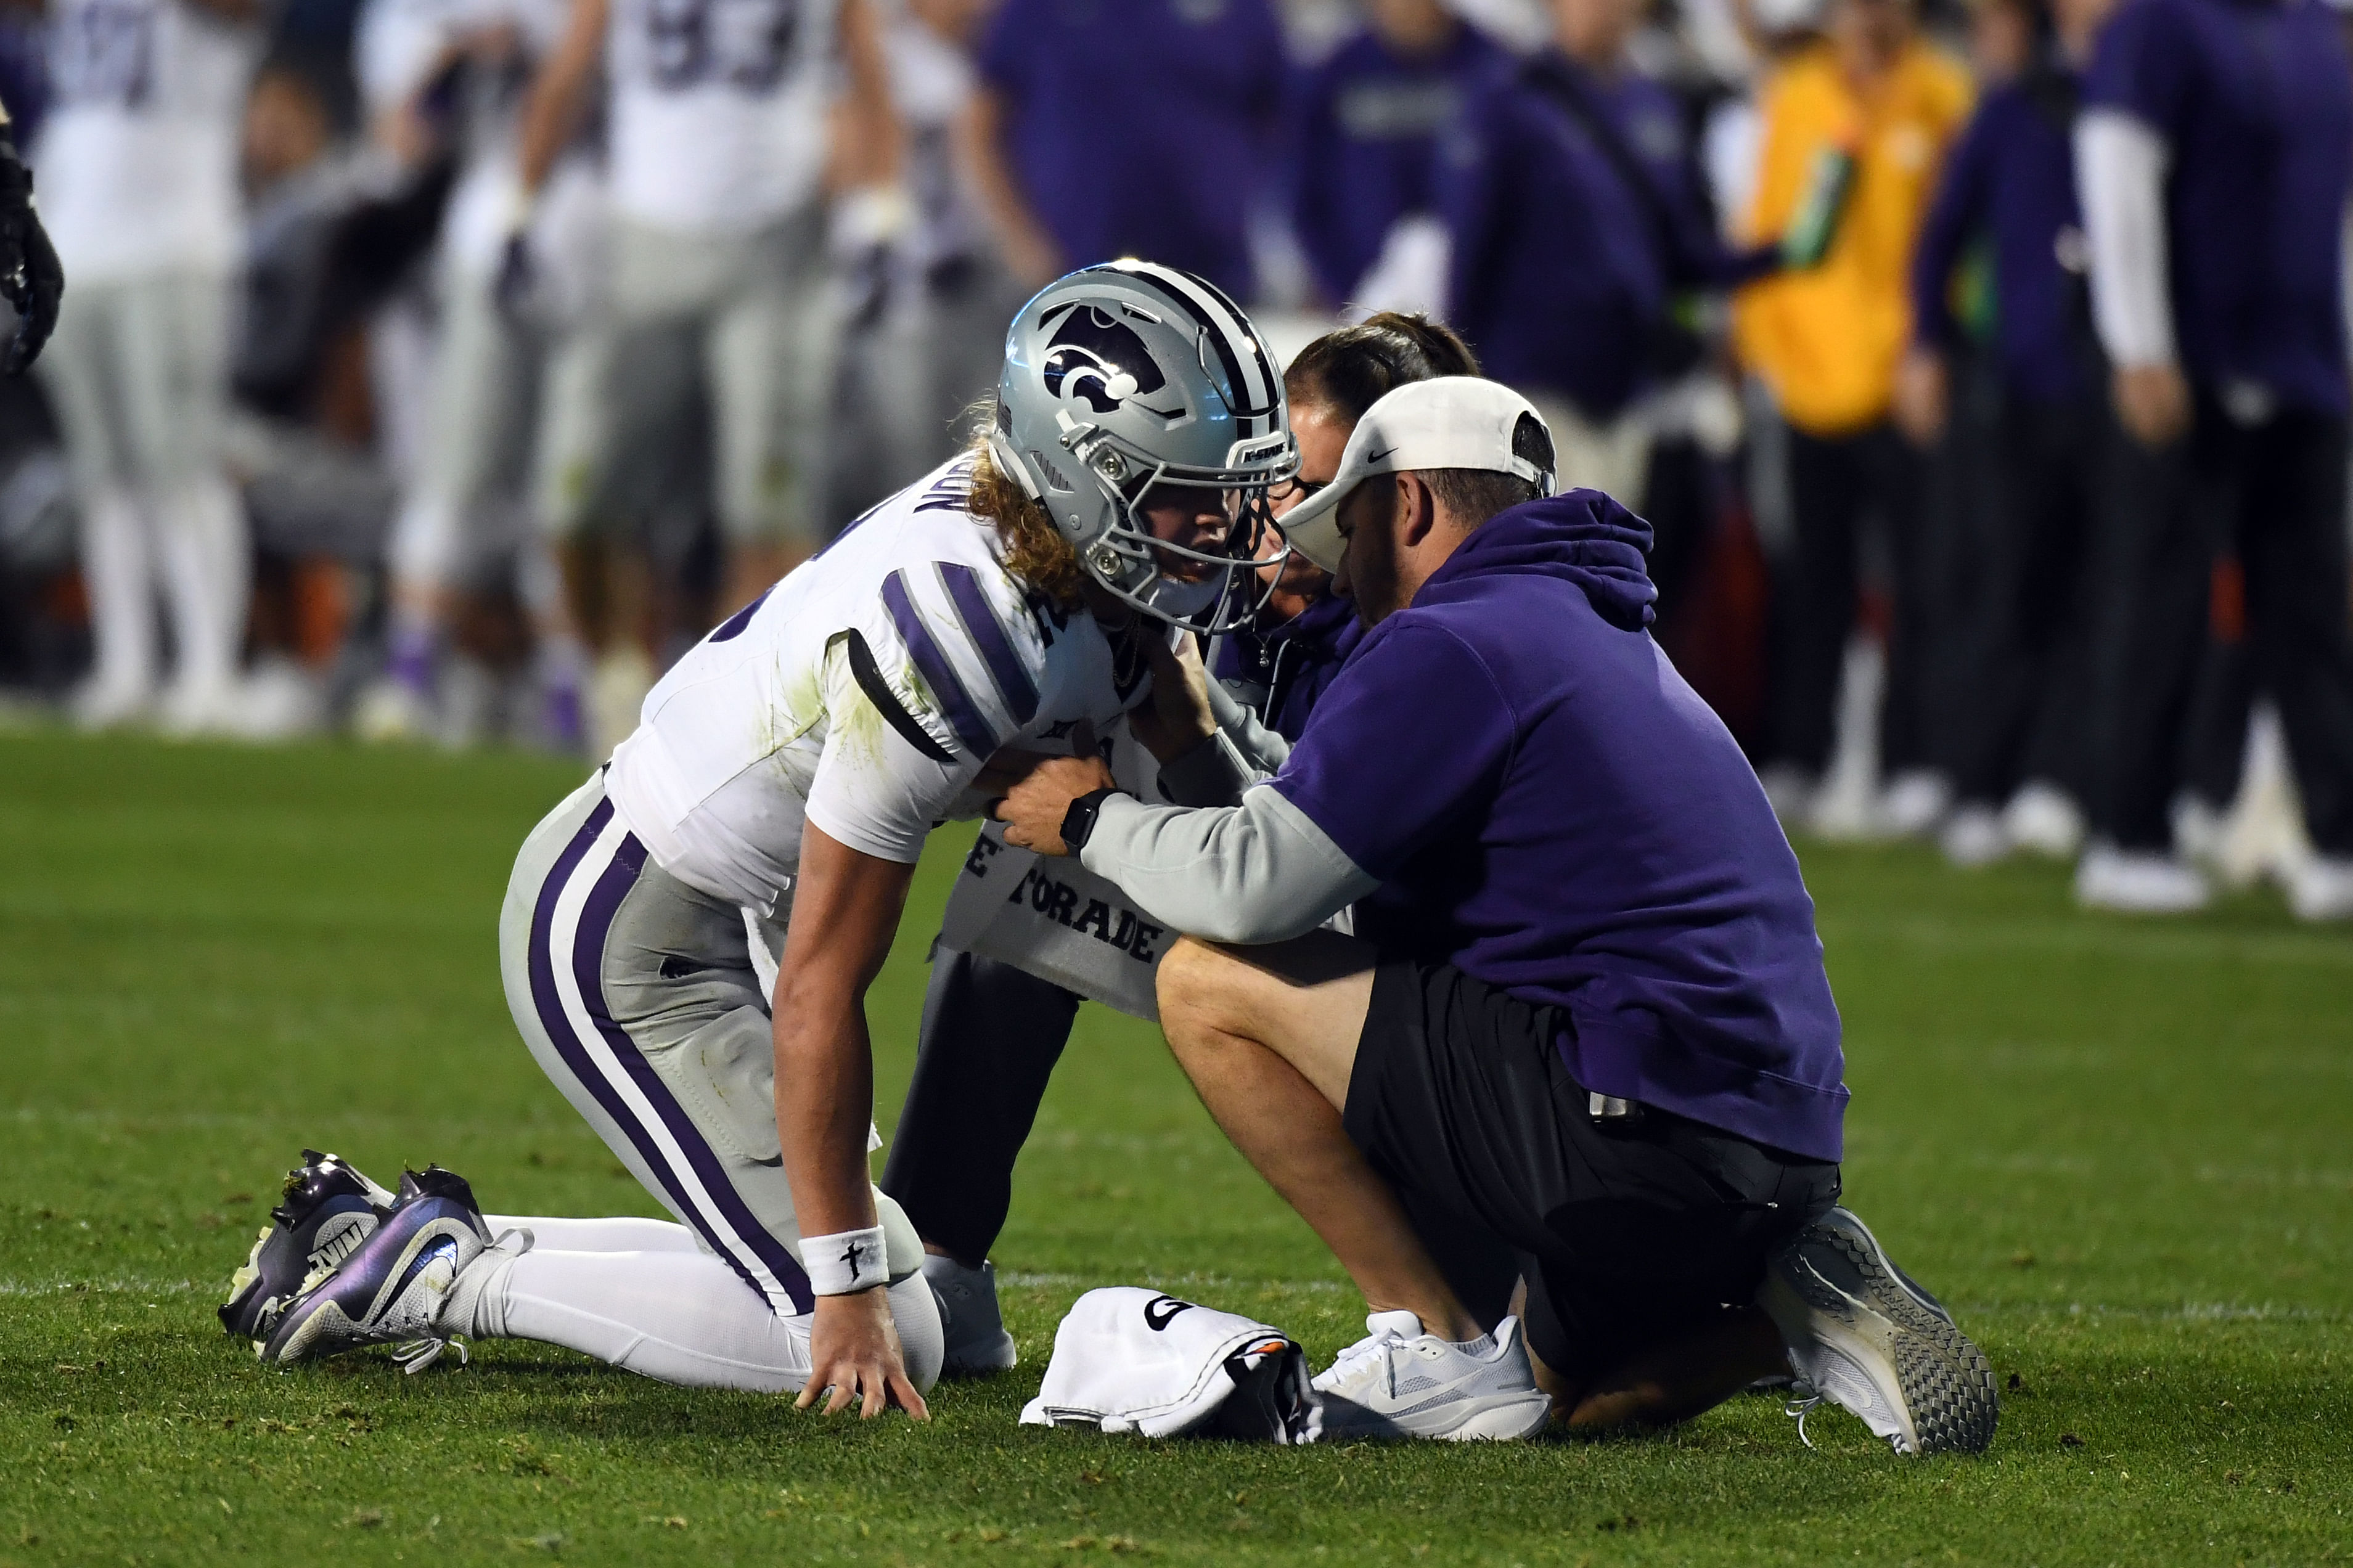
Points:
point(474, 447)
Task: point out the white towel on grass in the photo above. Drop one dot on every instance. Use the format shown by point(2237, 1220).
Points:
point(1132, 1360)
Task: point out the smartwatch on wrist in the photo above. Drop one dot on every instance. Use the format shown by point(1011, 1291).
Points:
point(1079, 822)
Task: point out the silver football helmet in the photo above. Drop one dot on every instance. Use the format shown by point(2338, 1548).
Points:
point(1131, 375)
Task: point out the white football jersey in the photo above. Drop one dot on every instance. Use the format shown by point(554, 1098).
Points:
point(862, 694)
point(718, 110)
point(137, 163)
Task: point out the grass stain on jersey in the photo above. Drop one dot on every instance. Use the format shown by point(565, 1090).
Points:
point(799, 708)
point(857, 724)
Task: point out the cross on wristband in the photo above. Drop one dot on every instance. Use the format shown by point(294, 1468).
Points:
point(845, 1261)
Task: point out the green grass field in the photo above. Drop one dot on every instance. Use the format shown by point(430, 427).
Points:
point(2123, 1152)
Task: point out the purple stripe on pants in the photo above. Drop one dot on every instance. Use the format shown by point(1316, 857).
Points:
point(595, 922)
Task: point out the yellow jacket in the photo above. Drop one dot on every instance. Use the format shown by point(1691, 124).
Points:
point(1827, 339)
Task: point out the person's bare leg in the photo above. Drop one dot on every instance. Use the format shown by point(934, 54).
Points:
point(1670, 1382)
point(1269, 1038)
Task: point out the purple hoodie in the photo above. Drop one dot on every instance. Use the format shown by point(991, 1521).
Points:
point(1552, 810)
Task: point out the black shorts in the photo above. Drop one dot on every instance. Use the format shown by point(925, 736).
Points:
point(1630, 1232)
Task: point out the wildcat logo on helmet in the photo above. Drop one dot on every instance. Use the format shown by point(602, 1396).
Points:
point(1096, 357)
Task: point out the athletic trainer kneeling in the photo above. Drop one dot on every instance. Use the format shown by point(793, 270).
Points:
point(1585, 1007)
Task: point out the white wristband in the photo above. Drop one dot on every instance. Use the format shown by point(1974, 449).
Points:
point(845, 1261)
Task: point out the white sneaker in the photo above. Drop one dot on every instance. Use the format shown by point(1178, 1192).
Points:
point(1973, 837)
point(2044, 818)
point(1863, 1336)
point(1789, 790)
point(977, 1343)
point(471, 703)
point(1846, 809)
point(2138, 882)
point(199, 709)
point(2321, 889)
point(280, 700)
point(102, 704)
point(1398, 1381)
point(1914, 802)
point(388, 711)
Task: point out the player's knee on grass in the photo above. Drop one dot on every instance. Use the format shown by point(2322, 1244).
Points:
point(914, 1308)
point(922, 1336)
point(902, 1246)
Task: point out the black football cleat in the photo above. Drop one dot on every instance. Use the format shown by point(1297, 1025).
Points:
point(329, 1207)
point(393, 1286)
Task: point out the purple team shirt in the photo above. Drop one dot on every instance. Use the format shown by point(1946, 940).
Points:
point(1553, 811)
point(1361, 144)
point(1140, 127)
point(1564, 265)
point(1293, 664)
point(2012, 176)
point(2255, 102)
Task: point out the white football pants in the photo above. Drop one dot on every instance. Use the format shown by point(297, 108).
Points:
point(639, 997)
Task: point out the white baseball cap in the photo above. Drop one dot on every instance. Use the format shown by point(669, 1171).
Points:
point(1451, 422)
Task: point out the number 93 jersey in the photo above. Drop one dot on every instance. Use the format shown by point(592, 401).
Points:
point(863, 693)
point(718, 110)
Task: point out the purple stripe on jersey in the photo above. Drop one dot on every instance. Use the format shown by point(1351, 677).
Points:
point(851, 527)
point(987, 632)
point(733, 627)
point(590, 938)
point(956, 704)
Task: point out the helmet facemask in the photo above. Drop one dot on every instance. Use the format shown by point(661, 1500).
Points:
point(1208, 588)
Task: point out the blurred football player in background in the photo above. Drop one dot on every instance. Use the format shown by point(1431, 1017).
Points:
point(2017, 721)
point(453, 76)
point(926, 309)
point(969, 293)
point(2204, 124)
point(138, 167)
point(718, 148)
point(1579, 226)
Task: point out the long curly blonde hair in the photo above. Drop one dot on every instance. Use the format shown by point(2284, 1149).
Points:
point(1035, 550)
